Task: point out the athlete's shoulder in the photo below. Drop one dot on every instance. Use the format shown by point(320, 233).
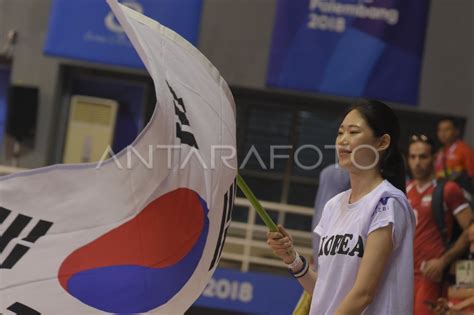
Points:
point(463, 146)
point(451, 187)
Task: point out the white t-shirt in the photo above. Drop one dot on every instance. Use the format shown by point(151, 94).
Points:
point(344, 229)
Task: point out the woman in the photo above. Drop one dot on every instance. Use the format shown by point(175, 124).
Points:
point(365, 262)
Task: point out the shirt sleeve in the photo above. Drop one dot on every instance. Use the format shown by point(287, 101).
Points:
point(390, 211)
point(454, 198)
point(320, 228)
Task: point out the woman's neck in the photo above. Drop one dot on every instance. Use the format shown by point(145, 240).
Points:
point(363, 183)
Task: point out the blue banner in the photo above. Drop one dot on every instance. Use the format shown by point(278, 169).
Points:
point(87, 29)
point(355, 48)
point(251, 293)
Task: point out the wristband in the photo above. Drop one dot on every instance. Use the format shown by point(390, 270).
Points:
point(297, 262)
point(303, 270)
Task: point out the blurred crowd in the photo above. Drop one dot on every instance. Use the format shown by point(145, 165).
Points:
point(439, 189)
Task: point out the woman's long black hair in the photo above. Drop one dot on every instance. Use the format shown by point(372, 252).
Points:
point(382, 120)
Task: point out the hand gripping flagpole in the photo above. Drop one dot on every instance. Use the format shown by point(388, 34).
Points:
point(256, 204)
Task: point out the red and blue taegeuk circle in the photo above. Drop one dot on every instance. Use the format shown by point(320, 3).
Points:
point(143, 263)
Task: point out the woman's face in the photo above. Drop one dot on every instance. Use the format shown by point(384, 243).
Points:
point(357, 147)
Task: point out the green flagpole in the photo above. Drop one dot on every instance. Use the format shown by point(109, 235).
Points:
point(256, 204)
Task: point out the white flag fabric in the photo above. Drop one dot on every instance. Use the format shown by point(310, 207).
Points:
point(141, 232)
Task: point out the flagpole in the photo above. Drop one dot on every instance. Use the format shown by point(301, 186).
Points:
point(256, 204)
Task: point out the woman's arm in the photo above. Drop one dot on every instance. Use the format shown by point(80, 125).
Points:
point(379, 247)
point(308, 281)
point(282, 245)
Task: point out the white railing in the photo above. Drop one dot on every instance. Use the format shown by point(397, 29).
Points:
point(246, 241)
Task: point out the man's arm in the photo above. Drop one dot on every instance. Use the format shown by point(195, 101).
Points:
point(463, 304)
point(464, 219)
point(434, 268)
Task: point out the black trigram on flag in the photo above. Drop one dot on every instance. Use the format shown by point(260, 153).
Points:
point(229, 198)
point(186, 137)
point(13, 231)
point(22, 309)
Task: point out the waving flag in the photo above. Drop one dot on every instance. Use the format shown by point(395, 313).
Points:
point(144, 230)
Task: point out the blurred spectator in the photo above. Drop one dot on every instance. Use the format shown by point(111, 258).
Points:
point(432, 256)
point(455, 159)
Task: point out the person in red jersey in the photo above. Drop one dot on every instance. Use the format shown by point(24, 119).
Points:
point(431, 257)
point(455, 160)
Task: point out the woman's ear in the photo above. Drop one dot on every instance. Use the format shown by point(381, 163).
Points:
point(384, 142)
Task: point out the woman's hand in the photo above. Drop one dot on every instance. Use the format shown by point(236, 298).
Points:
point(281, 244)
